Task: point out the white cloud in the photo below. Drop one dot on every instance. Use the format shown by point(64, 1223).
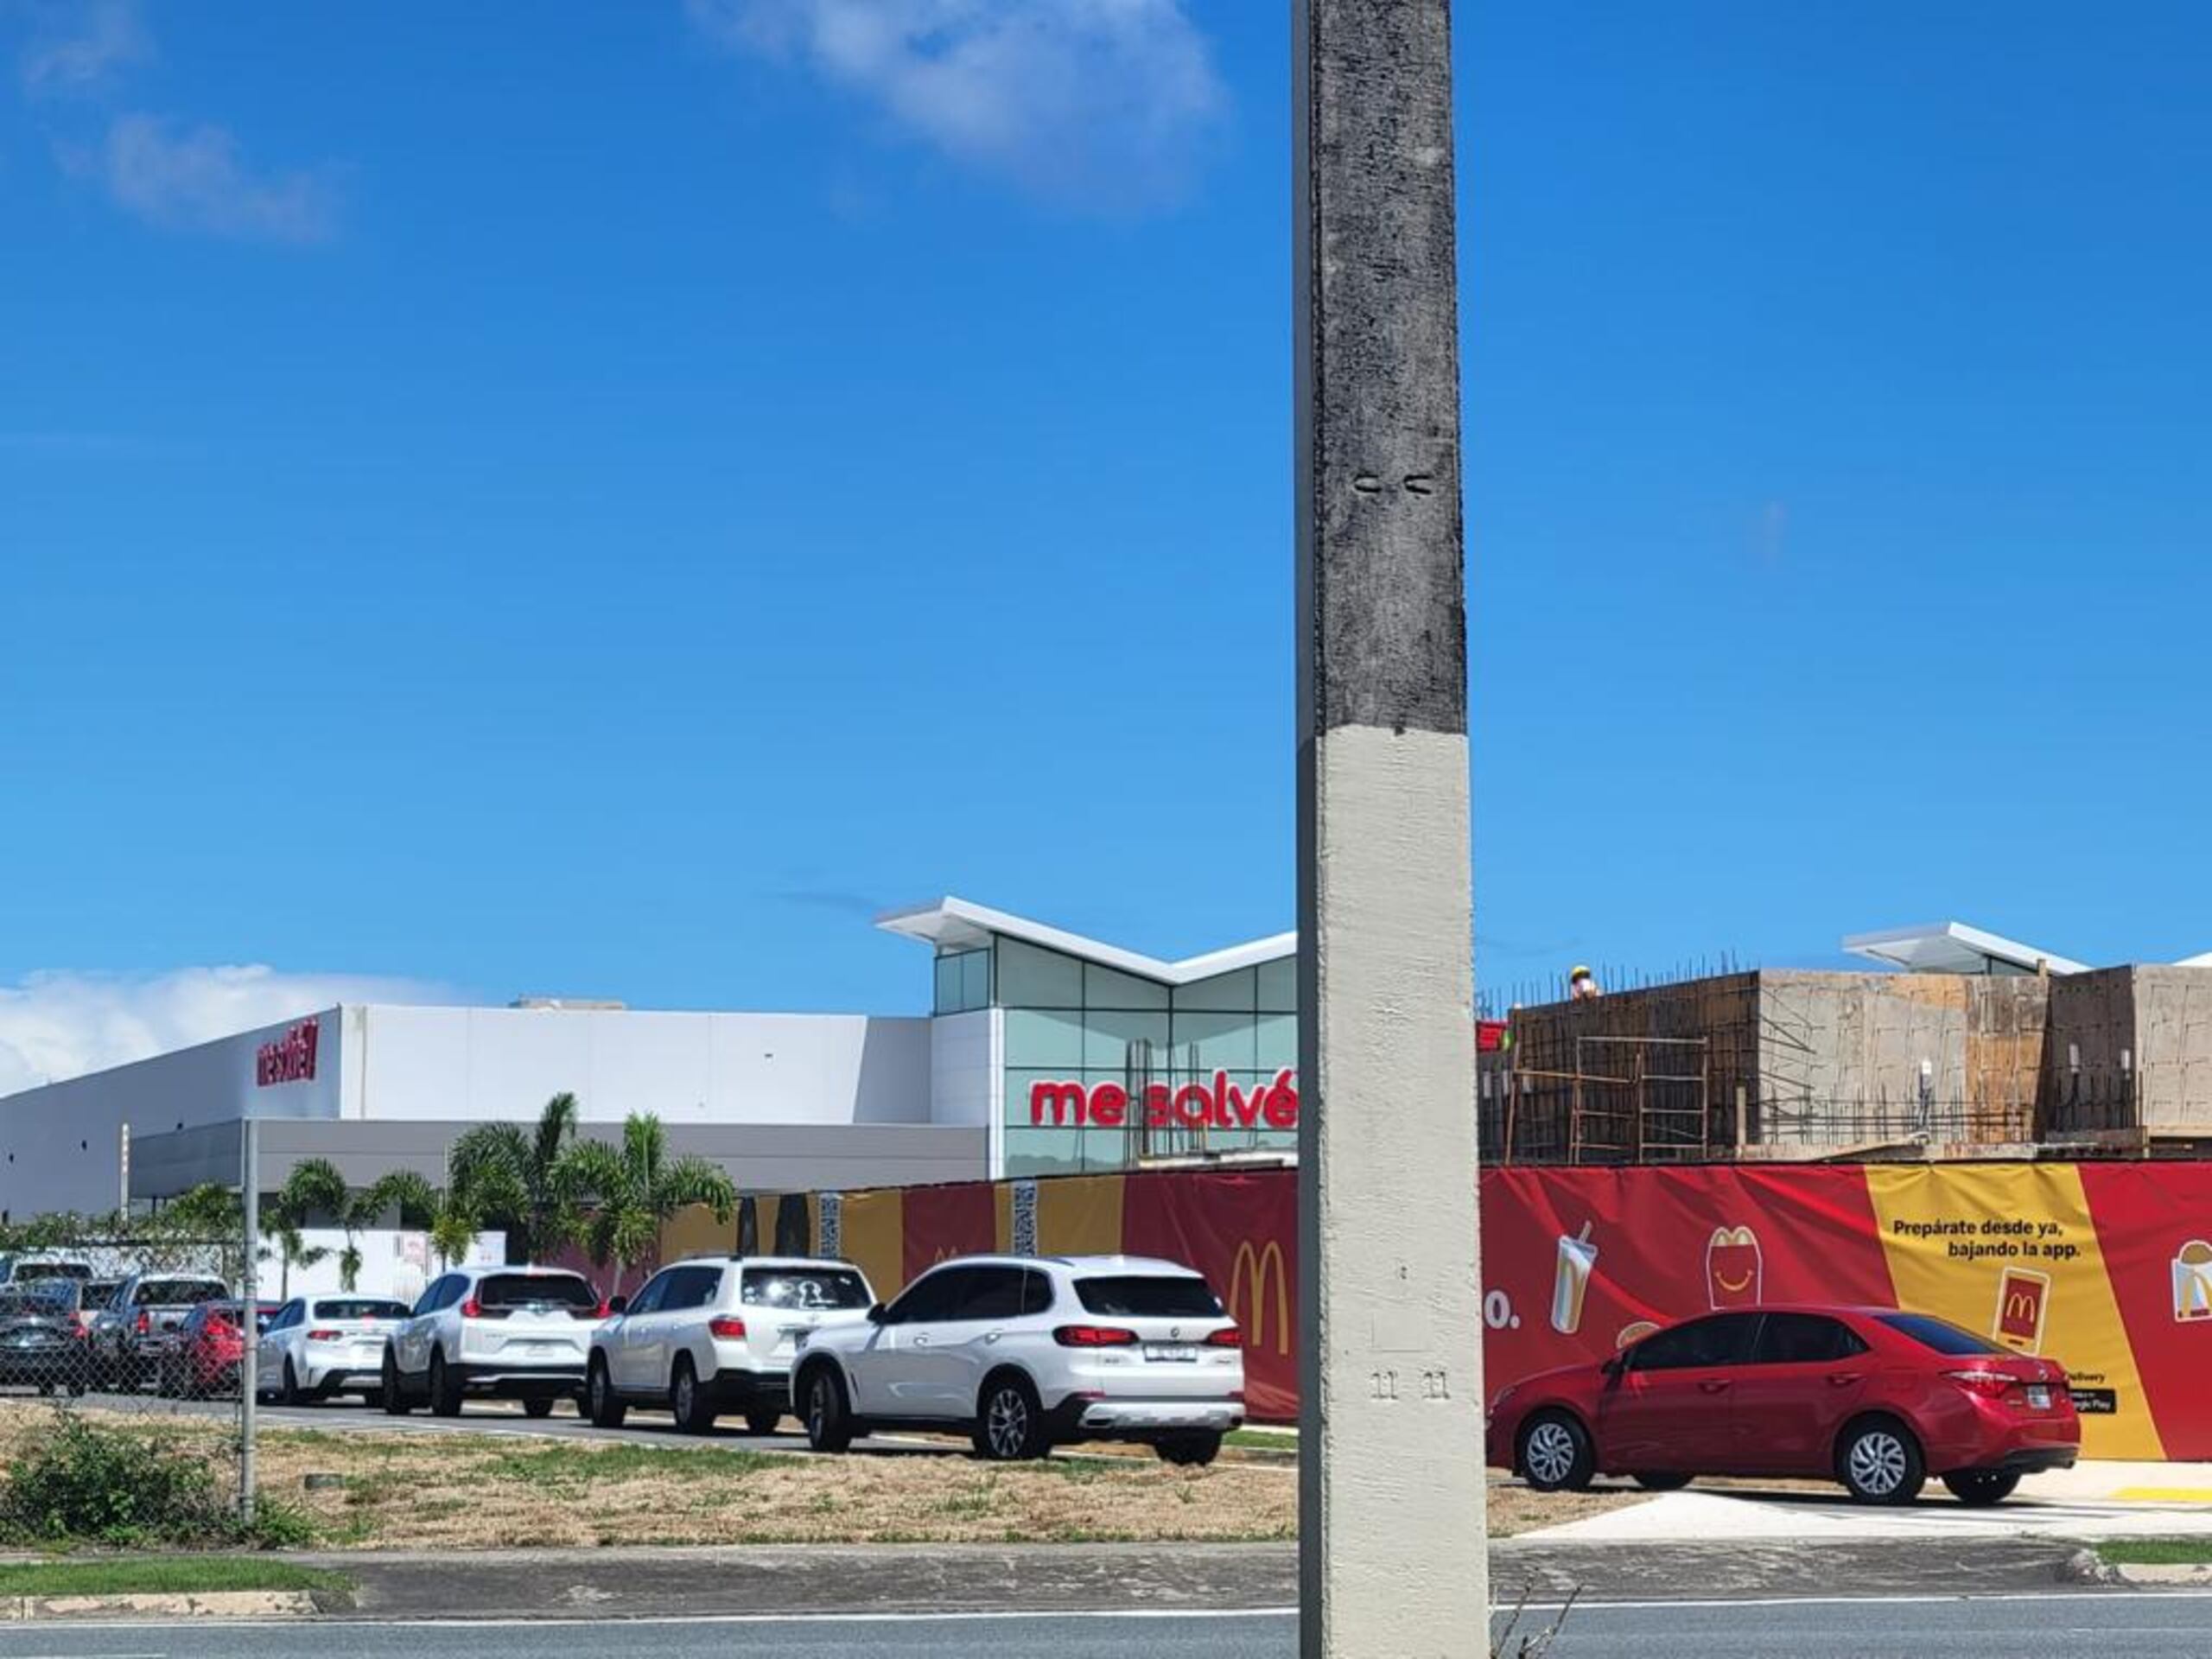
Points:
point(81, 46)
point(182, 178)
point(1105, 102)
point(61, 1024)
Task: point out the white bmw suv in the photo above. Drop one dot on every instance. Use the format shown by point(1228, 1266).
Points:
point(1027, 1352)
point(511, 1333)
point(717, 1335)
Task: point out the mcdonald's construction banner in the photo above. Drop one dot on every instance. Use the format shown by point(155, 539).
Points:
point(2104, 1266)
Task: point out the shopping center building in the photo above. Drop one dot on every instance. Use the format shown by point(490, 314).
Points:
point(1043, 1053)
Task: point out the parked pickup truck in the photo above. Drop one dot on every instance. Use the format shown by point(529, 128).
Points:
point(131, 1334)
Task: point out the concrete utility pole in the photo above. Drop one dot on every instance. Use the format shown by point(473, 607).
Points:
point(1394, 1562)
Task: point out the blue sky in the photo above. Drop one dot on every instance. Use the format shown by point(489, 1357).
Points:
point(602, 506)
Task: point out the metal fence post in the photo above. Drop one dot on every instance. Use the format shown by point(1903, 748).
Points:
point(248, 1309)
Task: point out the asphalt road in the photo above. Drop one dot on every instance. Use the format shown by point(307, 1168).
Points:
point(2038, 1627)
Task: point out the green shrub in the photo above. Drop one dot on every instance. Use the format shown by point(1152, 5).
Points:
point(86, 1484)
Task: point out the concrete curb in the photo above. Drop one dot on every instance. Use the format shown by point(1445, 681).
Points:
point(2177, 1575)
point(212, 1604)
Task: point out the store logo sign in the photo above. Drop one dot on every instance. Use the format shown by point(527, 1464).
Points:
point(1255, 1270)
point(290, 1058)
point(1220, 1105)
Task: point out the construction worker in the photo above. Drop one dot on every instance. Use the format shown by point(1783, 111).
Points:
point(1582, 985)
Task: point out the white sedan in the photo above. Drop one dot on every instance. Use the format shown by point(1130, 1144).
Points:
point(318, 1346)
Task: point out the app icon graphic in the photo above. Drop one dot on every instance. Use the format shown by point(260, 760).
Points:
point(1578, 1259)
point(1733, 1267)
point(2193, 1282)
point(2023, 1302)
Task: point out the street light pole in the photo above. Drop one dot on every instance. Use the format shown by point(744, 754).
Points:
point(1393, 1558)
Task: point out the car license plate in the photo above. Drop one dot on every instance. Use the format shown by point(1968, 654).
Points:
point(1178, 1353)
point(2038, 1397)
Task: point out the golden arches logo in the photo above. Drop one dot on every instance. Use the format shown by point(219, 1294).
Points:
point(1257, 1267)
point(2021, 1305)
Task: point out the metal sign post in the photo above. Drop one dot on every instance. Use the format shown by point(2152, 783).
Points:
point(249, 1301)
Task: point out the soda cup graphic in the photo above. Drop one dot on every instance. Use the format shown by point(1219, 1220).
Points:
point(1578, 1257)
point(2193, 1282)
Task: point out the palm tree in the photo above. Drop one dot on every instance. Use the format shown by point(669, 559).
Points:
point(523, 1179)
point(313, 1187)
point(636, 1186)
point(452, 1224)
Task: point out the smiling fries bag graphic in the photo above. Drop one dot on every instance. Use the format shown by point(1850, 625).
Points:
point(1733, 1267)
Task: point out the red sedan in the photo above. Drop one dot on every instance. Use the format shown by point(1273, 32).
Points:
point(1877, 1399)
point(207, 1350)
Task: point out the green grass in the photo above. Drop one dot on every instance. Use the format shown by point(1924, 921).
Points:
point(179, 1575)
point(2156, 1552)
point(560, 1467)
point(1258, 1439)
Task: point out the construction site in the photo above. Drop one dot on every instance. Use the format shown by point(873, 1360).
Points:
point(1997, 1053)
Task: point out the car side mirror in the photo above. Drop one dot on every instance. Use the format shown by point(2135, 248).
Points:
point(875, 1313)
point(618, 1304)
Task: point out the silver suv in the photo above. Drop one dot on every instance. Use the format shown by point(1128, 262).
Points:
point(1024, 1353)
point(717, 1335)
point(511, 1333)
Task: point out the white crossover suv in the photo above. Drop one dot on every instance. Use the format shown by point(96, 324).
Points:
point(718, 1335)
point(318, 1346)
point(511, 1332)
point(1025, 1352)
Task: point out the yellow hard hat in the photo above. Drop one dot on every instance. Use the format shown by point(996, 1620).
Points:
point(1580, 972)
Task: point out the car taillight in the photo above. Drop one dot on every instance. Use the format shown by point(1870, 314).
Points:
point(324, 1336)
point(1990, 1385)
point(145, 1324)
point(1228, 1337)
point(725, 1328)
point(606, 1311)
point(1094, 1336)
point(472, 1309)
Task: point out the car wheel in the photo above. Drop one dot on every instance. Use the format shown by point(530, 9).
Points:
point(1657, 1481)
point(1979, 1488)
point(606, 1411)
point(829, 1414)
point(395, 1402)
point(538, 1405)
point(1879, 1462)
point(445, 1388)
point(292, 1395)
point(1009, 1423)
point(1192, 1451)
point(1556, 1455)
point(762, 1422)
point(695, 1413)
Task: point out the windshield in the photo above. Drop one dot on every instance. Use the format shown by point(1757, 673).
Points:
point(1940, 1334)
point(511, 1290)
point(826, 1287)
point(1148, 1296)
point(27, 1271)
point(177, 1293)
point(361, 1307)
point(32, 1304)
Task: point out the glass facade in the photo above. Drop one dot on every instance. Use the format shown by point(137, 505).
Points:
point(1172, 1070)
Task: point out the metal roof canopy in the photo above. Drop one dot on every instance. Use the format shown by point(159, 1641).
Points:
point(954, 924)
point(1955, 948)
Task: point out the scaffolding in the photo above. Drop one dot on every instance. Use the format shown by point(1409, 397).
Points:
point(1649, 1104)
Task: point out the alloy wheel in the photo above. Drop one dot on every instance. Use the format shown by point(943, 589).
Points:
point(1877, 1462)
point(1551, 1453)
point(1009, 1423)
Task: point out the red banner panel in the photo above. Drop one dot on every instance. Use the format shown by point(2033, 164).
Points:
point(941, 1221)
point(1240, 1231)
point(1578, 1263)
point(2154, 1225)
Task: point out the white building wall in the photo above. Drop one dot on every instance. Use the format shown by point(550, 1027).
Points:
point(61, 1146)
point(479, 1063)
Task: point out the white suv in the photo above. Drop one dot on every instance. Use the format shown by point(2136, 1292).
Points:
point(1025, 1352)
point(717, 1335)
point(514, 1334)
